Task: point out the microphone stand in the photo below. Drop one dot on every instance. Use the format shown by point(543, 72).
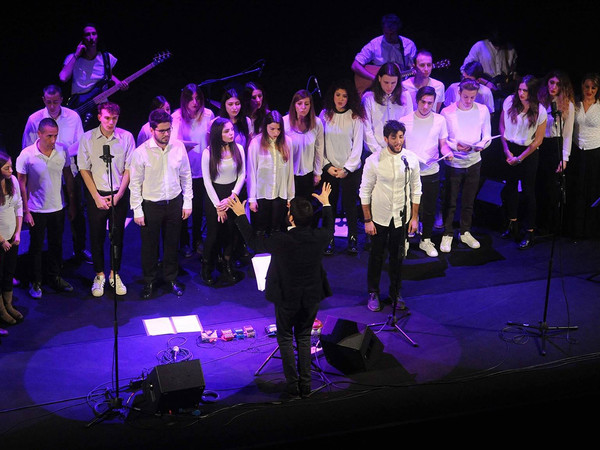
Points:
point(543, 330)
point(392, 320)
point(114, 401)
point(260, 63)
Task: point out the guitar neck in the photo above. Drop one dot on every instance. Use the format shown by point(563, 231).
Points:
point(102, 97)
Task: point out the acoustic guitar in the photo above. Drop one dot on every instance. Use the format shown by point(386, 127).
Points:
point(363, 83)
point(85, 103)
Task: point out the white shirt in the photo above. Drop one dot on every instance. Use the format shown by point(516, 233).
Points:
point(440, 90)
point(521, 133)
point(587, 127)
point(472, 127)
point(227, 172)
point(307, 147)
point(10, 210)
point(197, 131)
point(484, 96)
point(69, 124)
point(343, 140)
point(86, 73)
point(44, 178)
point(157, 174)
point(493, 61)
point(378, 52)
point(383, 185)
point(423, 136)
point(377, 115)
point(268, 175)
point(91, 148)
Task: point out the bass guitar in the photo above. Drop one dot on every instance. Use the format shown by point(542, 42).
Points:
point(363, 83)
point(85, 103)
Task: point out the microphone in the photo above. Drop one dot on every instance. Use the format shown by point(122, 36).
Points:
point(405, 161)
point(554, 109)
point(262, 66)
point(318, 88)
point(106, 156)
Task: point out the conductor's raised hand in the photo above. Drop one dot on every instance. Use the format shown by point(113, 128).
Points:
point(323, 197)
point(236, 206)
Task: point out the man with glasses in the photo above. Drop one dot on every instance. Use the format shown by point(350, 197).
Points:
point(104, 151)
point(161, 198)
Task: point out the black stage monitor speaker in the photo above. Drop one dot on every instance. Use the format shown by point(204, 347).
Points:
point(170, 387)
point(348, 346)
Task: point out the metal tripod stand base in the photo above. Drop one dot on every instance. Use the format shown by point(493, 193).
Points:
point(391, 324)
point(544, 331)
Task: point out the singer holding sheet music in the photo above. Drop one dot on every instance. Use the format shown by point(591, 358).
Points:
point(390, 187)
point(98, 148)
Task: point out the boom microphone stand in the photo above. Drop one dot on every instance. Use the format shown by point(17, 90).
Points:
point(392, 321)
point(114, 401)
point(543, 330)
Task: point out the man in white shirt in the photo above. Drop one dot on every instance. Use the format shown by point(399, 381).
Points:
point(161, 198)
point(41, 168)
point(426, 135)
point(390, 187)
point(103, 152)
point(472, 71)
point(469, 132)
point(70, 130)
point(423, 67)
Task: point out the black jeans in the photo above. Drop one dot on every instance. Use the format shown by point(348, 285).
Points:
point(52, 224)
point(349, 186)
point(8, 265)
point(468, 178)
point(526, 173)
point(98, 219)
point(393, 239)
point(270, 216)
point(161, 218)
point(220, 237)
point(430, 185)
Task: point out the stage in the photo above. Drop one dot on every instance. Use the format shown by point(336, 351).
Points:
point(468, 372)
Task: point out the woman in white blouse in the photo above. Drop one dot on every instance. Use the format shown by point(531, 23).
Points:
point(556, 96)
point(583, 176)
point(224, 169)
point(11, 219)
point(233, 109)
point(270, 175)
point(255, 105)
point(305, 130)
point(343, 122)
point(522, 128)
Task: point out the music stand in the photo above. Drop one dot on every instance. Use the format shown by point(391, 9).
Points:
point(115, 402)
point(543, 329)
point(392, 321)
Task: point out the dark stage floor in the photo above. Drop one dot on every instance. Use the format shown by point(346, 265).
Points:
point(471, 376)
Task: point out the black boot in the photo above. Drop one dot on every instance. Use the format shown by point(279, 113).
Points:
point(527, 240)
point(512, 230)
point(230, 273)
point(207, 271)
point(330, 247)
point(352, 245)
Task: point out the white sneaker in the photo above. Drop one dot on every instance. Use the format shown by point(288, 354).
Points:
point(446, 244)
point(428, 247)
point(466, 238)
point(120, 289)
point(98, 286)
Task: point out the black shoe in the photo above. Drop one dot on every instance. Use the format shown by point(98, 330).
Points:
point(352, 245)
point(61, 285)
point(305, 391)
point(206, 273)
point(147, 291)
point(512, 230)
point(230, 273)
point(330, 247)
point(177, 288)
point(527, 240)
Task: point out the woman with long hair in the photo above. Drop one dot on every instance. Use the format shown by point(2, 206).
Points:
point(583, 187)
point(385, 100)
point(191, 123)
point(343, 121)
point(556, 96)
point(11, 219)
point(305, 130)
point(255, 105)
point(270, 175)
point(522, 128)
point(233, 109)
point(224, 168)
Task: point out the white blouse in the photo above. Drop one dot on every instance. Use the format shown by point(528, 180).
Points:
point(587, 127)
point(343, 140)
point(12, 208)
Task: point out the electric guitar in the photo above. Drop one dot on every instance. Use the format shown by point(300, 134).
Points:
point(85, 103)
point(363, 83)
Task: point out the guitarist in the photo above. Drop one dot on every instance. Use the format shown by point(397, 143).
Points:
point(89, 69)
point(423, 67)
point(389, 47)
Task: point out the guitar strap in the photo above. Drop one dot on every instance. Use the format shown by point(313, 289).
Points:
point(405, 66)
point(107, 68)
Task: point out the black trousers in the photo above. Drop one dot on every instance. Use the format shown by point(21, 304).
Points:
point(270, 216)
point(463, 181)
point(526, 173)
point(98, 219)
point(78, 229)
point(51, 224)
point(548, 184)
point(349, 187)
point(220, 237)
point(304, 185)
point(295, 324)
point(392, 239)
point(430, 185)
point(162, 219)
point(8, 265)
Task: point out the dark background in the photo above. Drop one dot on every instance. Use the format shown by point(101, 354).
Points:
point(215, 39)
